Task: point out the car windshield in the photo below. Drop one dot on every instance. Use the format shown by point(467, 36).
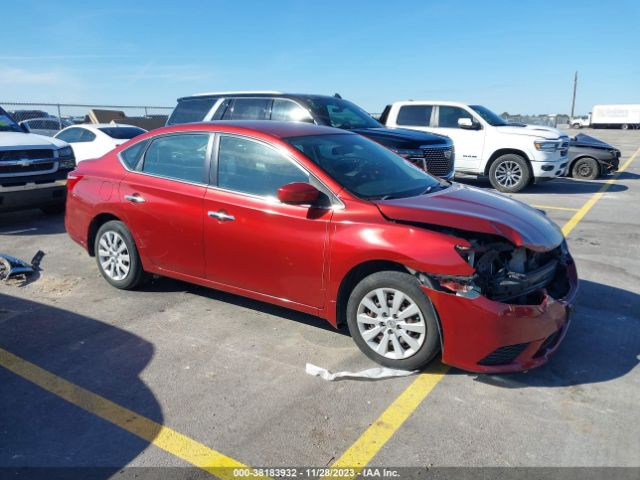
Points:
point(488, 116)
point(8, 124)
point(122, 133)
point(339, 113)
point(363, 167)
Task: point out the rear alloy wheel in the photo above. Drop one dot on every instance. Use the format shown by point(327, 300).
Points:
point(392, 321)
point(117, 256)
point(509, 173)
point(586, 169)
point(624, 126)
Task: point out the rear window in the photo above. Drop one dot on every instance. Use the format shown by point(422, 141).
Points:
point(191, 110)
point(416, 115)
point(131, 155)
point(122, 133)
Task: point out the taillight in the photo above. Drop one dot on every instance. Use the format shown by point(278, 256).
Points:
point(72, 179)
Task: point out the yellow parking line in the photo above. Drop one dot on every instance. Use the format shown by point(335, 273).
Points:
point(358, 455)
point(549, 207)
point(570, 225)
point(163, 437)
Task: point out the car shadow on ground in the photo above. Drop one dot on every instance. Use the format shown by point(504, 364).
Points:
point(40, 429)
point(31, 222)
point(164, 284)
point(557, 186)
point(602, 344)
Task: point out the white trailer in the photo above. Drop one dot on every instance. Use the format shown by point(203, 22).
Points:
point(624, 116)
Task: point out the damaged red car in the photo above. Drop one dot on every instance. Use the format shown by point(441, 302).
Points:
point(328, 222)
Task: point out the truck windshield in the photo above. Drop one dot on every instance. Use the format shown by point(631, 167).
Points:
point(8, 124)
point(365, 168)
point(488, 116)
point(335, 112)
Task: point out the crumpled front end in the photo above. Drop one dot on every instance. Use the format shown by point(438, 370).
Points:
point(512, 313)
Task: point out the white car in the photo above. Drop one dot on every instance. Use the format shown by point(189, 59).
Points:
point(91, 141)
point(511, 155)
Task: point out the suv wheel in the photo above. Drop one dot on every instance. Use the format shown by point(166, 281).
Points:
point(392, 321)
point(509, 173)
point(586, 169)
point(117, 256)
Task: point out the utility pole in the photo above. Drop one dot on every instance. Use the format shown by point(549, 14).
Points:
point(575, 86)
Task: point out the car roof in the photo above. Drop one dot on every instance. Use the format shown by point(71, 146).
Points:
point(95, 126)
point(432, 102)
point(263, 93)
point(269, 127)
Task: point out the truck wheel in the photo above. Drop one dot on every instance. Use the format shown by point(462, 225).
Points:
point(586, 169)
point(624, 126)
point(576, 125)
point(509, 173)
point(392, 321)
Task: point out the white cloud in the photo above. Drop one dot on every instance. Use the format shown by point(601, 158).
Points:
point(19, 76)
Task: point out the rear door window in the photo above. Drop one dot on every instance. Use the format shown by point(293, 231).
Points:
point(180, 157)
point(415, 115)
point(284, 110)
point(248, 109)
point(71, 135)
point(191, 110)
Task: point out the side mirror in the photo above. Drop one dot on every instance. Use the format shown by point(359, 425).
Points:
point(298, 193)
point(468, 124)
point(25, 128)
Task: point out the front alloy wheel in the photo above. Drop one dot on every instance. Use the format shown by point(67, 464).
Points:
point(509, 173)
point(392, 320)
point(391, 323)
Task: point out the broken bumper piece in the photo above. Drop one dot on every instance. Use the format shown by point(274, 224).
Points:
point(13, 267)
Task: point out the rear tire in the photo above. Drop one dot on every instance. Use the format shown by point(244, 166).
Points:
point(117, 256)
point(586, 168)
point(576, 125)
point(392, 321)
point(624, 126)
point(509, 173)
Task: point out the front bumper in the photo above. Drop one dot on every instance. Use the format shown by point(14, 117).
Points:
point(33, 195)
point(548, 170)
point(486, 336)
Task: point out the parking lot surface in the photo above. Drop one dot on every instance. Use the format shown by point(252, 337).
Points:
point(176, 368)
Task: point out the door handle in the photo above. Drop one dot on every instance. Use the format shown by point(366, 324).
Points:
point(134, 198)
point(222, 216)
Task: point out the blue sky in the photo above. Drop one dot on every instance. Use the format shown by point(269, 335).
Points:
point(511, 56)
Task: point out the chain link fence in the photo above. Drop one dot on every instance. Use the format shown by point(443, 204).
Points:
point(50, 118)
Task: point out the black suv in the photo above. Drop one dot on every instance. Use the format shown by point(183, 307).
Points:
point(431, 152)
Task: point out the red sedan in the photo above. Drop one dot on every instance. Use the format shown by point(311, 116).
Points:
point(330, 223)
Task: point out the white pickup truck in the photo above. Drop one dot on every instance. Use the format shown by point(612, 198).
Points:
point(511, 155)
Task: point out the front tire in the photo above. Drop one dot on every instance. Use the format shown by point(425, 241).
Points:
point(392, 321)
point(586, 169)
point(117, 256)
point(509, 173)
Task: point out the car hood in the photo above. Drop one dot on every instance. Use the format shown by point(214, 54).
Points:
point(475, 210)
point(18, 140)
point(402, 138)
point(538, 131)
point(582, 140)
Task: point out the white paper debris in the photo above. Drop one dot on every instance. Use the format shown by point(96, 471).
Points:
point(377, 373)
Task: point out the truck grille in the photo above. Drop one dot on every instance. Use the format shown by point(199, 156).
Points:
point(435, 160)
point(15, 163)
point(25, 154)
